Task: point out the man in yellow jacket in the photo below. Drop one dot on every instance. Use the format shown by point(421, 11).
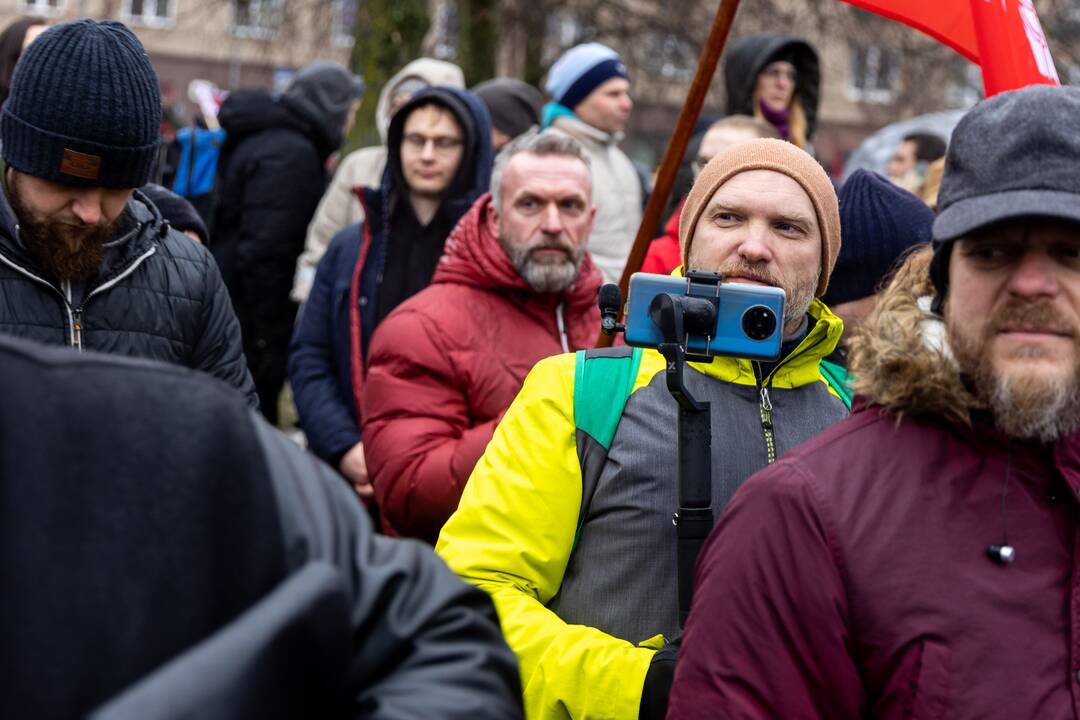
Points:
point(566, 520)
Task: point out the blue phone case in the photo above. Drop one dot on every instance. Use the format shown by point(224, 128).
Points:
point(728, 339)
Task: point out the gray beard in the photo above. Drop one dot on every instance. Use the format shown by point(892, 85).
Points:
point(546, 278)
point(543, 277)
point(1027, 407)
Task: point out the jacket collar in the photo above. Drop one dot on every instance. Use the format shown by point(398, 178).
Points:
point(800, 367)
point(900, 358)
point(582, 131)
point(136, 235)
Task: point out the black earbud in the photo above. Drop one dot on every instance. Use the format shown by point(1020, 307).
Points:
point(1001, 554)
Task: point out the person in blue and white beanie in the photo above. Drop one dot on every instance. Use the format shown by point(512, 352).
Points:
point(590, 90)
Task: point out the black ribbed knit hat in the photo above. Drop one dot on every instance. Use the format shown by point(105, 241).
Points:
point(879, 222)
point(84, 108)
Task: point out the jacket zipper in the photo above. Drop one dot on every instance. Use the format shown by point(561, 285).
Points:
point(765, 409)
point(766, 425)
point(76, 315)
point(561, 322)
point(74, 318)
point(765, 403)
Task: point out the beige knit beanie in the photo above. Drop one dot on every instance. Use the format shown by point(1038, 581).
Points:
point(782, 157)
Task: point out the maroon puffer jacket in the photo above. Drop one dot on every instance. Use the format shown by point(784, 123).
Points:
point(447, 363)
point(851, 578)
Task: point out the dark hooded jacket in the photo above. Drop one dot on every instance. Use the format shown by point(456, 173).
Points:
point(147, 514)
point(329, 346)
point(270, 178)
point(851, 579)
point(158, 296)
point(446, 365)
point(748, 56)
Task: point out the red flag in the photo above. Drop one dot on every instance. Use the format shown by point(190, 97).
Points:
point(1004, 37)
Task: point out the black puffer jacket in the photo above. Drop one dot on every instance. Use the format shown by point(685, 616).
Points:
point(749, 55)
point(270, 179)
point(159, 296)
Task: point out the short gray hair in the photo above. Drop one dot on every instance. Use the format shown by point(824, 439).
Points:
point(535, 142)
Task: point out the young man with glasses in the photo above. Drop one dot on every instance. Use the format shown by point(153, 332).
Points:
point(438, 164)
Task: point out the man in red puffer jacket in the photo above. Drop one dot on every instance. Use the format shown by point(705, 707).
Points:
point(514, 286)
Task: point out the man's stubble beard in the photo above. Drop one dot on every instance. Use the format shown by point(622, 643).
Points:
point(61, 250)
point(1025, 404)
point(544, 277)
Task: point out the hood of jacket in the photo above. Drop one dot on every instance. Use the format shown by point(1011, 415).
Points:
point(473, 256)
point(324, 93)
point(474, 174)
point(749, 55)
point(900, 357)
point(428, 70)
point(247, 112)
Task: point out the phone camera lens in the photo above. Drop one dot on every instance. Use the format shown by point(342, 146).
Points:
point(758, 322)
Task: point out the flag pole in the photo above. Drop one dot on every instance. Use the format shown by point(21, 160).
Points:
point(680, 138)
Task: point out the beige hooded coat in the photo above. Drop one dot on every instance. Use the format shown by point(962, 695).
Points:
point(616, 194)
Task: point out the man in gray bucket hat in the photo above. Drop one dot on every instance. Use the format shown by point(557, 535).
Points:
point(918, 559)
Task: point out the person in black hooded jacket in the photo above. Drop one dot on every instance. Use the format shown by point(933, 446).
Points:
point(271, 176)
point(166, 554)
point(776, 78)
point(371, 267)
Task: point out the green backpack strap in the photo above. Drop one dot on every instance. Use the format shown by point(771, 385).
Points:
point(838, 379)
point(603, 381)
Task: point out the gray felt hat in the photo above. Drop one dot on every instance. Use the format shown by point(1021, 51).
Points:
point(1016, 154)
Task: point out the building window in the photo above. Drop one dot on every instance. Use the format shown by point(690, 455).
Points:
point(343, 22)
point(152, 13)
point(256, 18)
point(46, 8)
point(873, 75)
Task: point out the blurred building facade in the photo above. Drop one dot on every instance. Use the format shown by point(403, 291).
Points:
point(232, 43)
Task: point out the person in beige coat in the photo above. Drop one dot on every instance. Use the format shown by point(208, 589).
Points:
point(364, 167)
point(592, 104)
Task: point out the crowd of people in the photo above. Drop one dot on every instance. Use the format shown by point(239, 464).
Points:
point(477, 521)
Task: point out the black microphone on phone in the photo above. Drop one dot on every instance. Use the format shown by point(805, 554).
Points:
point(610, 302)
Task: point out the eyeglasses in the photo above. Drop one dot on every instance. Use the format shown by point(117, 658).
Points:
point(697, 165)
point(779, 72)
point(443, 144)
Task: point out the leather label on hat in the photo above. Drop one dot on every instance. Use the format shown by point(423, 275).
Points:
point(80, 165)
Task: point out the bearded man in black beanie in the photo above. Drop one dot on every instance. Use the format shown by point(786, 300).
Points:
point(85, 259)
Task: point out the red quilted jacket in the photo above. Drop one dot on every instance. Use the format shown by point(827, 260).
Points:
point(447, 363)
